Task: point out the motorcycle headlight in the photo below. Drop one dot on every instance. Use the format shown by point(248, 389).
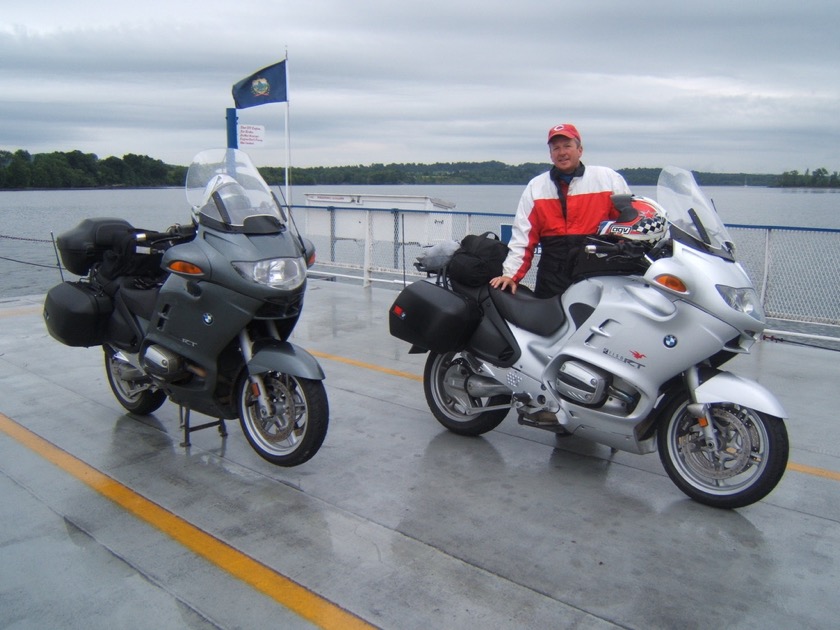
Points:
point(742, 300)
point(278, 273)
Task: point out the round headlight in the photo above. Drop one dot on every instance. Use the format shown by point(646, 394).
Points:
point(278, 273)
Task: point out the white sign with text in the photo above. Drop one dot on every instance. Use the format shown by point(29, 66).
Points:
point(251, 135)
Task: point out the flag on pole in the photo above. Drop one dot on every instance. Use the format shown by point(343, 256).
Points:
point(264, 86)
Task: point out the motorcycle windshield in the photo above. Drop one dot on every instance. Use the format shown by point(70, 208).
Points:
point(227, 192)
point(692, 217)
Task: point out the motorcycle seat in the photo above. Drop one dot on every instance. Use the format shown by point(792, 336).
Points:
point(541, 316)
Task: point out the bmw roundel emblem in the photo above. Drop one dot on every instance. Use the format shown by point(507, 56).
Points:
point(208, 318)
point(670, 341)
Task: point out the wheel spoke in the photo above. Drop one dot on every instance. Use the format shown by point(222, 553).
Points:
point(444, 384)
point(296, 424)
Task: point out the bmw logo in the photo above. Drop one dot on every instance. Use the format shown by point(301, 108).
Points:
point(208, 319)
point(670, 341)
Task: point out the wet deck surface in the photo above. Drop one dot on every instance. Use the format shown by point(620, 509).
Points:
point(395, 521)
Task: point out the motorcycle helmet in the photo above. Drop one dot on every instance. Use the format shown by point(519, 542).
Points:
point(640, 220)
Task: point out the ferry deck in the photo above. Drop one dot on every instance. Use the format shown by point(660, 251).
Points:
point(106, 521)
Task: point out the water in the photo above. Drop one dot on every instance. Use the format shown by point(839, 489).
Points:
point(812, 208)
point(28, 267)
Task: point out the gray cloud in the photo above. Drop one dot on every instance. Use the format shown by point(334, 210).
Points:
point(746, 86)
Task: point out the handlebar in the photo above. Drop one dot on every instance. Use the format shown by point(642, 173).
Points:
point(629, 249)
point(175, 233)
point(182, 231)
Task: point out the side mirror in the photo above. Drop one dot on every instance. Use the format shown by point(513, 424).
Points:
point(308, 252)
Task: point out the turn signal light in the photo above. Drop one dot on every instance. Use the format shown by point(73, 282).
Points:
point(672, 283)
point(185, 268)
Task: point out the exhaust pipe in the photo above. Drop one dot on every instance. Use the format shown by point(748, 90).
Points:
point(483, 387)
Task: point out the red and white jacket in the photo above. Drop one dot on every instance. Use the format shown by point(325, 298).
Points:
point(540, 212)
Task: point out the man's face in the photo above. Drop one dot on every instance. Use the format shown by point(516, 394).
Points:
point(565, 153)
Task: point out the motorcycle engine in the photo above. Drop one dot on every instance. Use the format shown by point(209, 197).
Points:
point(162, 363)
point(582, 383)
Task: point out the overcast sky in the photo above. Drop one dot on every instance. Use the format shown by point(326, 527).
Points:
point(716, 85)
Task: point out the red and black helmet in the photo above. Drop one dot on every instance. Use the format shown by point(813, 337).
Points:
point(640, 219)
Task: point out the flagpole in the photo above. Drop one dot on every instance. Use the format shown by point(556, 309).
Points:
point(288, 136)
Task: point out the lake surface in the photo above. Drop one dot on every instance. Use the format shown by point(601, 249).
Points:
point(28, 218)
point(813, 208)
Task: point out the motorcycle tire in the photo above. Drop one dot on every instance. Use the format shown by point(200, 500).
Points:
point(748, 463)
point(136, 395)
point(450, 404)
point(298, 425)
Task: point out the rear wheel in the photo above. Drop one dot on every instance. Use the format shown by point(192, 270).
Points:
point(443, 383)
point(133, 389)
point(296, 423)
point(746, 463)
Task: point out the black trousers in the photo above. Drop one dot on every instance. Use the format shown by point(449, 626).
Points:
point(557, 263)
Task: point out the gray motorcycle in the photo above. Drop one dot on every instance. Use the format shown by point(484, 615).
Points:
point(201, 314)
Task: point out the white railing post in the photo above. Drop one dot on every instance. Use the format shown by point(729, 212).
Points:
point(368, 258)
point(765, 277)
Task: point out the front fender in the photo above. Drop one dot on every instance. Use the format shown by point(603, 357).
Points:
point(286, 358)
point(727, 387)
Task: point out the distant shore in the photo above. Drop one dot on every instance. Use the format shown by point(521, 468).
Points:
point(76, 170)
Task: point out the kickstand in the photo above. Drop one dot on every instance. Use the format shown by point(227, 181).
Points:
point(184, 418)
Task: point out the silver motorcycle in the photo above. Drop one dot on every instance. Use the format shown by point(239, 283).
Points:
point(629, 356)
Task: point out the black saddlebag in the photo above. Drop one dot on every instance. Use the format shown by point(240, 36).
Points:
point(77, 314)
point(86, 244)
point(432, 317)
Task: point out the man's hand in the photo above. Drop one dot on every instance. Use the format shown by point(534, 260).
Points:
point(503, 283)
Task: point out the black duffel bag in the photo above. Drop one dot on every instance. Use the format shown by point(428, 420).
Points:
point(478, 260)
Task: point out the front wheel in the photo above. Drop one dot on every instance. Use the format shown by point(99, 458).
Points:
point(295, 424)
point(132, 388)
point(443, 383)
point(742, 467)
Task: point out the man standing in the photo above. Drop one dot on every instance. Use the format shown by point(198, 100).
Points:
point(558, 210)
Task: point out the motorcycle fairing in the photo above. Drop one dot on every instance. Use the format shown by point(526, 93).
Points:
point(185, 318)
point(287, 358)
point(609, 338)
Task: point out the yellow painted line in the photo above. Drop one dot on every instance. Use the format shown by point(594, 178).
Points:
point(21, 310)
point(817, 472)
point(367, 366)
point(281, 589)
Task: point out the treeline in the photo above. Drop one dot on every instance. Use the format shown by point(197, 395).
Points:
point(820, 178)
point(439, 173)
point(484, 173)
point(74, 169)
point(649, 177)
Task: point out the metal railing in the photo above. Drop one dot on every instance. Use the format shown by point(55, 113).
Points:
point(795, 270)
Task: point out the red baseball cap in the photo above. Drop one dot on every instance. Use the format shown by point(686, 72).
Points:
point(565, 129)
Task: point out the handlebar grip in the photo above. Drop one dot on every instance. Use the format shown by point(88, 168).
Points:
point(170, 235)
point(145, 237)
point(623, 248)
point(603, 248)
